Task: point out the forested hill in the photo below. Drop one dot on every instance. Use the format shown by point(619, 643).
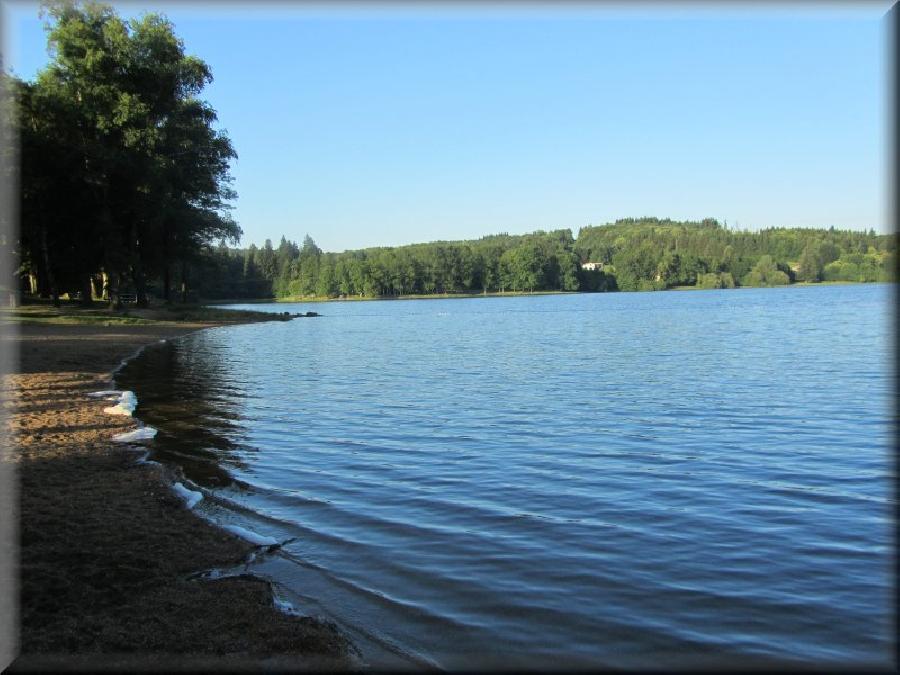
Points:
point(630, 254)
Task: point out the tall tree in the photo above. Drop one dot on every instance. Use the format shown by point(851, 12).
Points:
point(147, 180)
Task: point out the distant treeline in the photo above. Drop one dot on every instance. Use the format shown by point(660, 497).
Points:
point(630, 254)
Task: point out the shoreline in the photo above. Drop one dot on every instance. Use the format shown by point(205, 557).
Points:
point(106, 544)
point(384, 298)
point(366, 651)
point(508, 294)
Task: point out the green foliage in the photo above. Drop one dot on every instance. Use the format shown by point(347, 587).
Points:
point(638, 268)
point(521, 268)
point(713, 280)
point(636, 255)
point(766, 273)
point(122, 170)
point(875, 266)
point(811, 266)
point(597, 280)
point(652, 253)
point(537, 262)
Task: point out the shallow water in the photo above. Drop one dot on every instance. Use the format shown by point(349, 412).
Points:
point(627, 479)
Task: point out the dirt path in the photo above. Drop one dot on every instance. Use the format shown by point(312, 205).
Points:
point(105, 546)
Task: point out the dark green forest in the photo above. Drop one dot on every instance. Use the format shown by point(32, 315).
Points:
point(125, 192)
point(628, 255)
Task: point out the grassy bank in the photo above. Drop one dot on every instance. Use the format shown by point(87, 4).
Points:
point(100, 315)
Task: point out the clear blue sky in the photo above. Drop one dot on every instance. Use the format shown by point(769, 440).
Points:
point(375, 126)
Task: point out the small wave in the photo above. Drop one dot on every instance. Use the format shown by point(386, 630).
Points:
point(248, 535)
point(190, 497)
point(140, 434)
point(107, 393)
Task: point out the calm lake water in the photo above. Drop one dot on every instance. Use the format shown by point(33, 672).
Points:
point(623, 479)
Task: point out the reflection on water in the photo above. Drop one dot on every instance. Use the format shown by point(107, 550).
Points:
point(696, 478)
point(185, 395)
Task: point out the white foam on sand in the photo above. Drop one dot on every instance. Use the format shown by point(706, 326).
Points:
point(140, 434)
point(247, 535)
point(285, 607)
point(143, 459)
point(190, 497)
point(126, 405)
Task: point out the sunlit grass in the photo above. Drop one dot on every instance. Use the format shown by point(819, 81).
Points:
point(99, 315)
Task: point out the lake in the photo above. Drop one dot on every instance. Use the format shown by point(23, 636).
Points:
point(621, 479)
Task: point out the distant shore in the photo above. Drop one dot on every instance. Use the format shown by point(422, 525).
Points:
point(796, 283)
point(364, 298)
point(507, 294)
point(106, 546)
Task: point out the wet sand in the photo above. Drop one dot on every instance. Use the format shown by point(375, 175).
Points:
point(106, 548)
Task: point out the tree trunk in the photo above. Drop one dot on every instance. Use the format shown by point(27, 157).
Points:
point(43, 288)
point(87, 290)
point(140, 285)
point(137, 268)
point(112, 291)
point(184, 282)
point(96, 286)
point(45, 254)
point(167, 266)
point(167, 283)
point(111, 252)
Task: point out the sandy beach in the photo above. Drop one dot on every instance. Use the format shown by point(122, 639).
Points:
point(107, 548)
